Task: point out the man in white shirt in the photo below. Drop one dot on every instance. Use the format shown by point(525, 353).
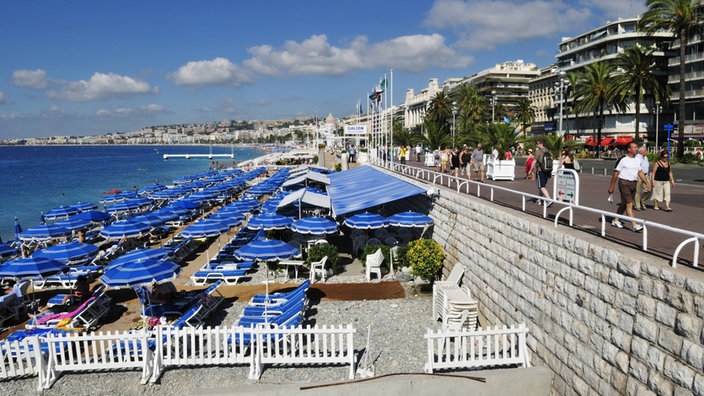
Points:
point(641, 194)
point(627, 172)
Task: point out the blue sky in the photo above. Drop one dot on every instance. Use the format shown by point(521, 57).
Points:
point(92, 67)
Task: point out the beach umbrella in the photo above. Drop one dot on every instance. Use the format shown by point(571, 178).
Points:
point(92, 215)
point(30, 267)
point(74, 224)
point(185, 203)
point(269, 221)
point(61, 212)
point(163, 214)
point(266, 250)
point(124, 229)
point(178, 211)
point(84, 206)
point(232, 219)
point(204, 229)
point(366, 221)
point(144, 272)
point(44, 232)
point(139, 255)
point(18, 229)
point(314, 225)
point(409, 219)
point(7, 250)
point(68, 252)
point(150, 218)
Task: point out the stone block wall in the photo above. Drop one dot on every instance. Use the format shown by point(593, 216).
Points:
point(607, 320)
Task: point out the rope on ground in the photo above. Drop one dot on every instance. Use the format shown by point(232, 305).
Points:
point(479, 379)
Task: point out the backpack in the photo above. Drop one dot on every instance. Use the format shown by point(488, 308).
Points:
point(546, 164)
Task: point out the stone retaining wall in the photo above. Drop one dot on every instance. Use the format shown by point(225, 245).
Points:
point(607, 320)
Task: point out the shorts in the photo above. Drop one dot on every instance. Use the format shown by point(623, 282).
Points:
point(478, 166)
point(627, 189)
point(542, 178)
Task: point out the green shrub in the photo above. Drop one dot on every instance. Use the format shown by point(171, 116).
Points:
point(424, 256)
point(338, 167)
point(401, 253)
point(317, 252)
point(315, 159)
point(371, 250)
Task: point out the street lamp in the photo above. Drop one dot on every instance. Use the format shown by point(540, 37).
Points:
point(454, 112)
point(493, 106)
point(658, 109)
point(561, 85)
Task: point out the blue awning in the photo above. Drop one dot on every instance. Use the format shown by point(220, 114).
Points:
point(364, 187)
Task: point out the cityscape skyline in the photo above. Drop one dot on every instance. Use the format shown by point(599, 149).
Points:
point(85, 68)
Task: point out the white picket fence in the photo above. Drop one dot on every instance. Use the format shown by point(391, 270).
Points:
point(481, 348)
point(22, 358)
point(167, 347)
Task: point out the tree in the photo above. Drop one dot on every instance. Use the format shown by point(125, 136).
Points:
point(471, 106)
point(434, 137)
point(683, 19)
point(635, 79)
point(595, 92)
point(525, 113)
point(440, 111)
point(502, 137)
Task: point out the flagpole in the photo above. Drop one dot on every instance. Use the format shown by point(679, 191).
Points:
point(391, 111)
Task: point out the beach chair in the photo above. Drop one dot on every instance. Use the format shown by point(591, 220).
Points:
point(230, 277)
point(279, 297)
point(390, 241)
point(318, 268)
point(452, 281)
point(86, 315)
point(12, 304)
point(373, 264)
point(381, 234)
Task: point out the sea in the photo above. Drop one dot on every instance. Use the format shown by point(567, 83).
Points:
point(35, 179)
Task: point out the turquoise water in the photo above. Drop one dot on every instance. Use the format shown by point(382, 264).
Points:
point(38, 178)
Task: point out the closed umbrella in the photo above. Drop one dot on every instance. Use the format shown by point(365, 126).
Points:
point(366, 221)
point(314, 225)
point(124, 229)
point(68, 252)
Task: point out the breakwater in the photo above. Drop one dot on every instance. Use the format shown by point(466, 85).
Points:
point(604, 318)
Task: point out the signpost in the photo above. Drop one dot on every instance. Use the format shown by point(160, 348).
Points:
point(668, 128)
point(566, 186)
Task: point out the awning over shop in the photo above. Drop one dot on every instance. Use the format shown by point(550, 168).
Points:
point(364, 187)
point(306, 197)
point(623, 140)
point(310, 175)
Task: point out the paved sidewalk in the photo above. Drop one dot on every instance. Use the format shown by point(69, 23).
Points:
point(687, 214)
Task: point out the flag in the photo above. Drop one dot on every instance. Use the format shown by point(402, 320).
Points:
point(359, 108)
point(507, 120)
point(382, 85)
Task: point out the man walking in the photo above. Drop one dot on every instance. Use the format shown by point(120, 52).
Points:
point(542, 175)
point(627, 172)
point(642, 194)
point(477, 162)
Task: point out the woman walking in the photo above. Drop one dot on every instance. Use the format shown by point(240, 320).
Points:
point(530, 175)
point(662, 181)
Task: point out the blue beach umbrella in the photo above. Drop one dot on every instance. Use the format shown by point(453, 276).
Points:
point(185, 203)
point(143, 272)
point(84, 206)
point(314, 225)
point(68, 252)
point(204, 229)
point(44, 232)
point(95, 216)
point(150, 219)
point(232, 219)
point(61, 212)
point(30, 267)
point(74, 224)
point(266, 250)
point(124, 229)
point(269, 221)
point(139, 255)
point(410, 219)
point(7, 250)
point(366, 221)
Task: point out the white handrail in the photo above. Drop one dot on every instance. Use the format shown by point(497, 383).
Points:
point(691, 235)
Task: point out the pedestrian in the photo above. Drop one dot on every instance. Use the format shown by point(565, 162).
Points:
point(443, 159)
point(626, 173)
point(402, 154)
point(530, 173)
point(455, 162)
point(477, 162)
point(641, 194)
point(566, 159)
point(662, 180)
point(542, 172)
point(419, 150)
point(465, 158)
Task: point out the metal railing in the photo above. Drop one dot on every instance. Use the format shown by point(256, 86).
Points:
point(463, 185)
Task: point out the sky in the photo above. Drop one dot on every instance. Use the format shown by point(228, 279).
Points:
point(93, 67)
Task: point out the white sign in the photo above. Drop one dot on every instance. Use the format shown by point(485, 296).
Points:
point(566, 187)
point(355, 129)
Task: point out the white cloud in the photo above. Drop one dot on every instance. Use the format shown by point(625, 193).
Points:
point(3, 97)
point(219, 71)
point(316, 56)
point(484, 24)
point(128, 112)
point(35, 79)
point(101, 86)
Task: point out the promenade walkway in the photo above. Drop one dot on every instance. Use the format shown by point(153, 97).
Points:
point(687, 214)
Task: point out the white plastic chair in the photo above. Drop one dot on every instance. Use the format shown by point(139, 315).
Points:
point(358, 243)
point(318, 268)
point(373, 264)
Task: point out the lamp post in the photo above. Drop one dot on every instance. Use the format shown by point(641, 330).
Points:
point(454, 112)
point(561, 86)
point(493, 106)
point(658, 109)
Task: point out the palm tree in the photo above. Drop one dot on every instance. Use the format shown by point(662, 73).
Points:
point(525, 113)
point(434, 136)
point(440, 111)
point(472, 106)
point(595, 92)
point(502, 137)
point(634, 78)
point(683, 19)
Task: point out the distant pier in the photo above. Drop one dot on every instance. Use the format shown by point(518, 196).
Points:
point(189, 156)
